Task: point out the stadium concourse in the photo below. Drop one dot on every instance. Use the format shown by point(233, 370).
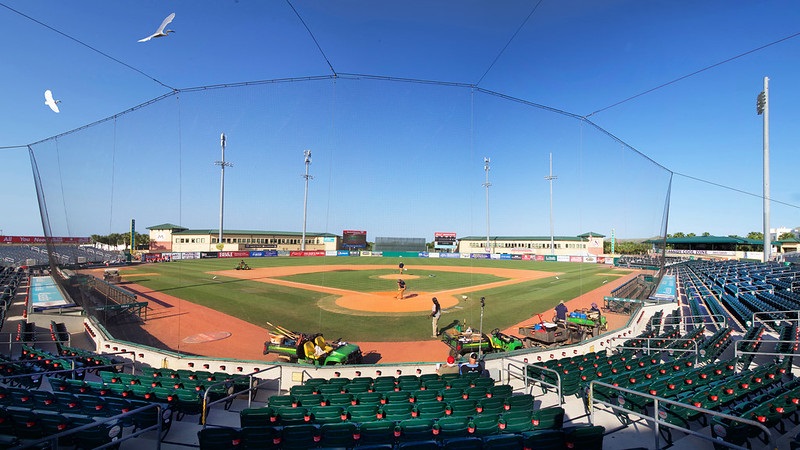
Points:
point(169, 330)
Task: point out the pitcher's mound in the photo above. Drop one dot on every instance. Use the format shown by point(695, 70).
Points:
point(388, 302)
point(398, 277)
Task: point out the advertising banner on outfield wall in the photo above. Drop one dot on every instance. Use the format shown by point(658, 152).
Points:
point(479, 255)
point(550, 258)
point(342, 253)
point(601, 260)
point(449, 255)
point(527, 257)
point(590, 259)
point(562, 258)
point(204, 255)
point(423, 254)
point(237, 254)
point(505, 256)
point(433, 255)
point(307, 253)
point(263, 253)
point(190, 255)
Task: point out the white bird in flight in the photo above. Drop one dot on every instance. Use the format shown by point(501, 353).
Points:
point(48, 100)
point(161, 32)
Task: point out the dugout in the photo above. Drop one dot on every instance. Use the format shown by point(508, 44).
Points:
point(398, 244)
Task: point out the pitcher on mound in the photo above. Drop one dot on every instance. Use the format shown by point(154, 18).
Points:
point(401, 288)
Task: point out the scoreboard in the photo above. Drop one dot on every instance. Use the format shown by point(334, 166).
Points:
point(444, 239)
point(354, 239)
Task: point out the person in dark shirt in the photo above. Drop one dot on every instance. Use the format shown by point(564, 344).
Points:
point(561, 312)
point(472, 366)
point(401, 288)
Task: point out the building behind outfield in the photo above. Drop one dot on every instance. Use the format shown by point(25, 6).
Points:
point(173, 238)
point(585, 244)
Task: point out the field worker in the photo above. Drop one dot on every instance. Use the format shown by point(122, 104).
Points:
point(436, 312)
point(401, 288)
point(594, 308)
point(450, 367)
point(561, 312)
point(401, 265)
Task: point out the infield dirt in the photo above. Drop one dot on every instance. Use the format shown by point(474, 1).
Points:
point(171, 320)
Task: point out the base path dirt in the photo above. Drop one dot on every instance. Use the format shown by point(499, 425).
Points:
point(171, 320)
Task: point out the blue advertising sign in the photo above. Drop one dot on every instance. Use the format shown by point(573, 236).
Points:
point(505, 256)
point(480, 256)
point(343, 253)
point(449, 255)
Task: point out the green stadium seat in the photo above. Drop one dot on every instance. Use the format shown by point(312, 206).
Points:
point(585, 437)
point(299, 437)
point(338, 435)
point(503, 442)
point(376, 433)
point(260, 438)
point(486, 425)
point(544, 440)
point(551, 418)
point(416, 430)
point(257, 417)
point(222, 438)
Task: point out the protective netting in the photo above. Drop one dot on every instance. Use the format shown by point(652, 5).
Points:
point(393, 157)
point(405, 161)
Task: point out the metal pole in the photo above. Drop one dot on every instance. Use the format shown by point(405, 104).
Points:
point(486, 169)
point(550, 178)
point(222, 165)
point(767, 240)
point(480, 346)
point(307, 177)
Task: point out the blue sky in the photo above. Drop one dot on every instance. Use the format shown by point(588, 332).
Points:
point(398, 158)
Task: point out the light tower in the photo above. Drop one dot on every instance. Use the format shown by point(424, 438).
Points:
point(223, 164)
point(486, 169)
point(762, 108)
point(550, 178)
point(307, 177)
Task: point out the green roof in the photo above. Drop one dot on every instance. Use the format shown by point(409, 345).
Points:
point(591, 234)
point(712, 240)
point(253, 232)
point(166, 226)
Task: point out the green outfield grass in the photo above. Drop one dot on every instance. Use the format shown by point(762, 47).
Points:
point(298, 309)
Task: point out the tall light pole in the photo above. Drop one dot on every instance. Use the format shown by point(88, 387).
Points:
point(762, 108)
point(550, 178)
point(223, 164)
point(307, 177)
point(486, 169)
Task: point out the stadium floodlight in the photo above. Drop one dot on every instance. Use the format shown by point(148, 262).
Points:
point(223, 164)
point(550, 178)
point(762, 108)
point(486, 184)
point(307, 155)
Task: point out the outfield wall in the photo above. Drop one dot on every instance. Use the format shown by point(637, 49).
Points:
point(173, 256)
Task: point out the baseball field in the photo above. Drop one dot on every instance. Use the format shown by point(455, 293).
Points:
point(356, 298)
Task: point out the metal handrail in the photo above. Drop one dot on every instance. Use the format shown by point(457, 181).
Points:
point(53, 372)
point(663, 349)
point(527, 379)
point(658, 422)
point(53, 439)
point(207, 404)
point(738, 352)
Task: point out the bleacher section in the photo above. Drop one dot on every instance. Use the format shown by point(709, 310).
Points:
point(18, 255)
